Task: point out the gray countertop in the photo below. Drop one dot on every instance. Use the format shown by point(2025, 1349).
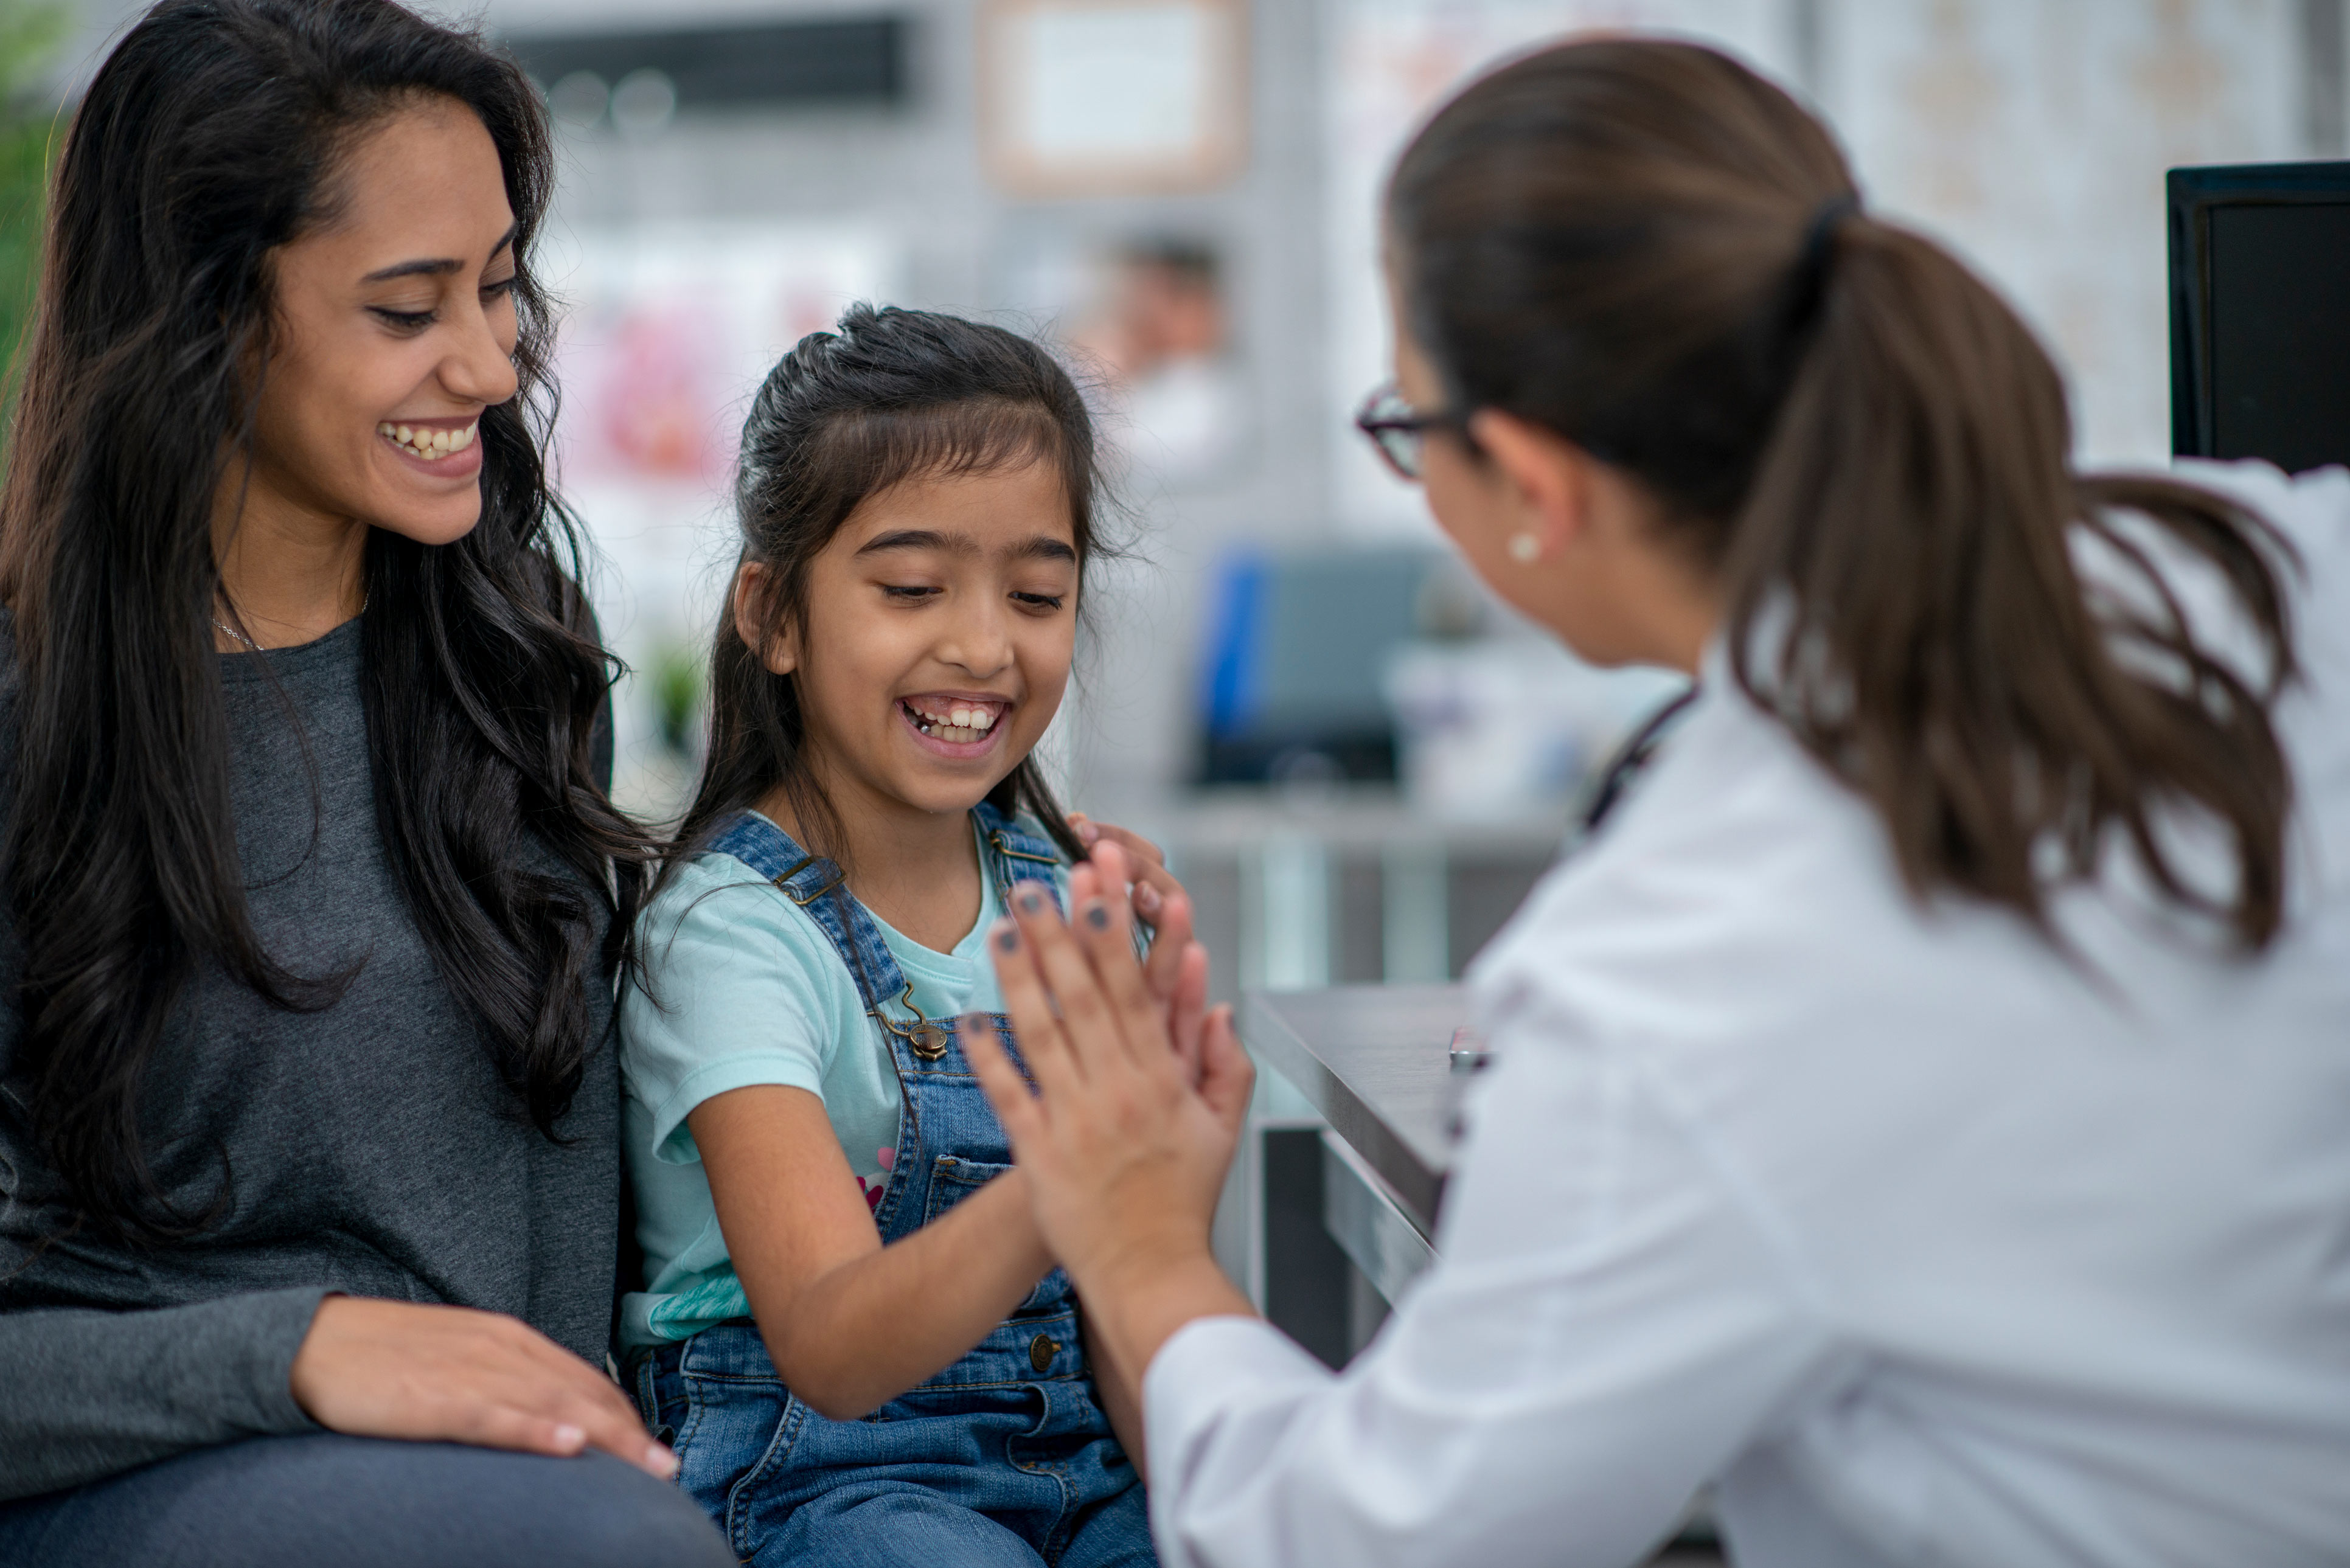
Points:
point(1372, 1060)
point(1361, 817)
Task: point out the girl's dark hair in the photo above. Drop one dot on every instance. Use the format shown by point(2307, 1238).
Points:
point(211, 136)
point(1646, 248)
point(891, 395)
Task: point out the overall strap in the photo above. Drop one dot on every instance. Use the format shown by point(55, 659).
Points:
point(814, 883)
point(1015, 855)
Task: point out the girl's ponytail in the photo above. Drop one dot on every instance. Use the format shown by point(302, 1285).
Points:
point(1646, 247)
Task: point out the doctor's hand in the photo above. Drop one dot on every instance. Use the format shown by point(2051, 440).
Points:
point(1124, 1141)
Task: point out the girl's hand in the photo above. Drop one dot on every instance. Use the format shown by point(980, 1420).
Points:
point(1177, 969)
point(1125, 1154)
point(446, 1373)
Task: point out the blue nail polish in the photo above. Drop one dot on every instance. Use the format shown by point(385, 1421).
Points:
point(1098, 918)
point(1029, 899)
point(1007, 940)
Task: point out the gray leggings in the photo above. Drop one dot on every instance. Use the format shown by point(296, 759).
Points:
point(357, 1502)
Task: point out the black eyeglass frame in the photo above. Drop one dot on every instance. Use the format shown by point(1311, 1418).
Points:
point(1400, 437)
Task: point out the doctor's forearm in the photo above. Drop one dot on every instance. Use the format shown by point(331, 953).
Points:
point(1131, 1314)
point(1118, 1389)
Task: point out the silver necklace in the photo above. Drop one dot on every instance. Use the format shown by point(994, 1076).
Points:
point(365, 600)
point(232, 631)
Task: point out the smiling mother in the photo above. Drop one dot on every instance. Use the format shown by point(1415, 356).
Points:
point(308, 1182)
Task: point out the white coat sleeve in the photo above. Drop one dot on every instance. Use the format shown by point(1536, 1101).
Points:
point(1609, 1323)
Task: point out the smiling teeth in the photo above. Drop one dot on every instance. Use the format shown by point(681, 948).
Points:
point(426, 442)
point(960, 725)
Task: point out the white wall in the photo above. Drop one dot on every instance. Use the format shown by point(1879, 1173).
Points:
point(2030, 135)
point(1387, 64)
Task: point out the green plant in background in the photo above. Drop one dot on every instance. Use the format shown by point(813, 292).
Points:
point(29, 35)
point(676, 683)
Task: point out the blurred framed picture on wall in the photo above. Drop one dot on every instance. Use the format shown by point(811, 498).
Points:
point(1106, 98)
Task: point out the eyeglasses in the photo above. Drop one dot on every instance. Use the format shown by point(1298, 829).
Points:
point(1400, 432)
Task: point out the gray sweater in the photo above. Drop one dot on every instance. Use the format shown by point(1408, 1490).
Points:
point(373, 1148)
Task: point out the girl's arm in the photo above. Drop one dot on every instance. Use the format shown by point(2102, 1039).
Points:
point(849, 1323)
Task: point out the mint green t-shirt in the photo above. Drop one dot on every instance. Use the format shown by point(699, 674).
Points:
point(746, 989)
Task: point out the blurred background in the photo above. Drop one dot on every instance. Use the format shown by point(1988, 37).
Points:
point(1359, 762)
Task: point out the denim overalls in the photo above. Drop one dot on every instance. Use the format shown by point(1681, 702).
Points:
point(1004, 1458)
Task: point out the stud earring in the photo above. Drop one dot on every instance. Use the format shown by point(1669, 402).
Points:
point(1524, 549)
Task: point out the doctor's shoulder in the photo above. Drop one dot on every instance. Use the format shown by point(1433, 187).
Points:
point(1732, 813)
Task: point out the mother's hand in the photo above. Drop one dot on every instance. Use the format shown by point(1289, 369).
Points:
point(1176, 969)
point(1125, 1142)
point(444, 1374)
point(1144, 866)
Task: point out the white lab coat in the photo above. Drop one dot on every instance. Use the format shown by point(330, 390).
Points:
point(1924, 1244)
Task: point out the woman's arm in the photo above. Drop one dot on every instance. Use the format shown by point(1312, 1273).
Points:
point(850, 1323)
point(91, 1394)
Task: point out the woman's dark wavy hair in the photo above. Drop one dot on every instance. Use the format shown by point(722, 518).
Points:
point(891, 395)
point(212, 136)
point(1649, 250)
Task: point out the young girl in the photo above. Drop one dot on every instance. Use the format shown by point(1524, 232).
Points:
point(808, 1147)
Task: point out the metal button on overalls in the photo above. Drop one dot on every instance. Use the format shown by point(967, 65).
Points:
point(1040, 1351)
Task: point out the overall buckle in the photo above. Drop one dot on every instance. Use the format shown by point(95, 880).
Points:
point(925, 1038)
point(784, 880)
point(996, 838)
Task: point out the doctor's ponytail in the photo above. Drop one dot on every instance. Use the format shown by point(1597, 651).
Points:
point(1647, 248)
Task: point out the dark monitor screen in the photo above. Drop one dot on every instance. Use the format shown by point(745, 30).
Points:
point(2260, 329)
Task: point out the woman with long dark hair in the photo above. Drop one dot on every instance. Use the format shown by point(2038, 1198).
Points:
point(307, 1099)
point(1920, 1106)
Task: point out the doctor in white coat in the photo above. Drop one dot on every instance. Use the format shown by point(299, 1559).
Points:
point(1923, 1109)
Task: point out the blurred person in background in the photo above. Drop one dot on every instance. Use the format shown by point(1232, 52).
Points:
point(309, 1182)
point(1918, 1110)
point(1162, 338)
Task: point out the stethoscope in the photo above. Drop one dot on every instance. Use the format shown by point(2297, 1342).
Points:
point(1615, 781)
point(1632, 759)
